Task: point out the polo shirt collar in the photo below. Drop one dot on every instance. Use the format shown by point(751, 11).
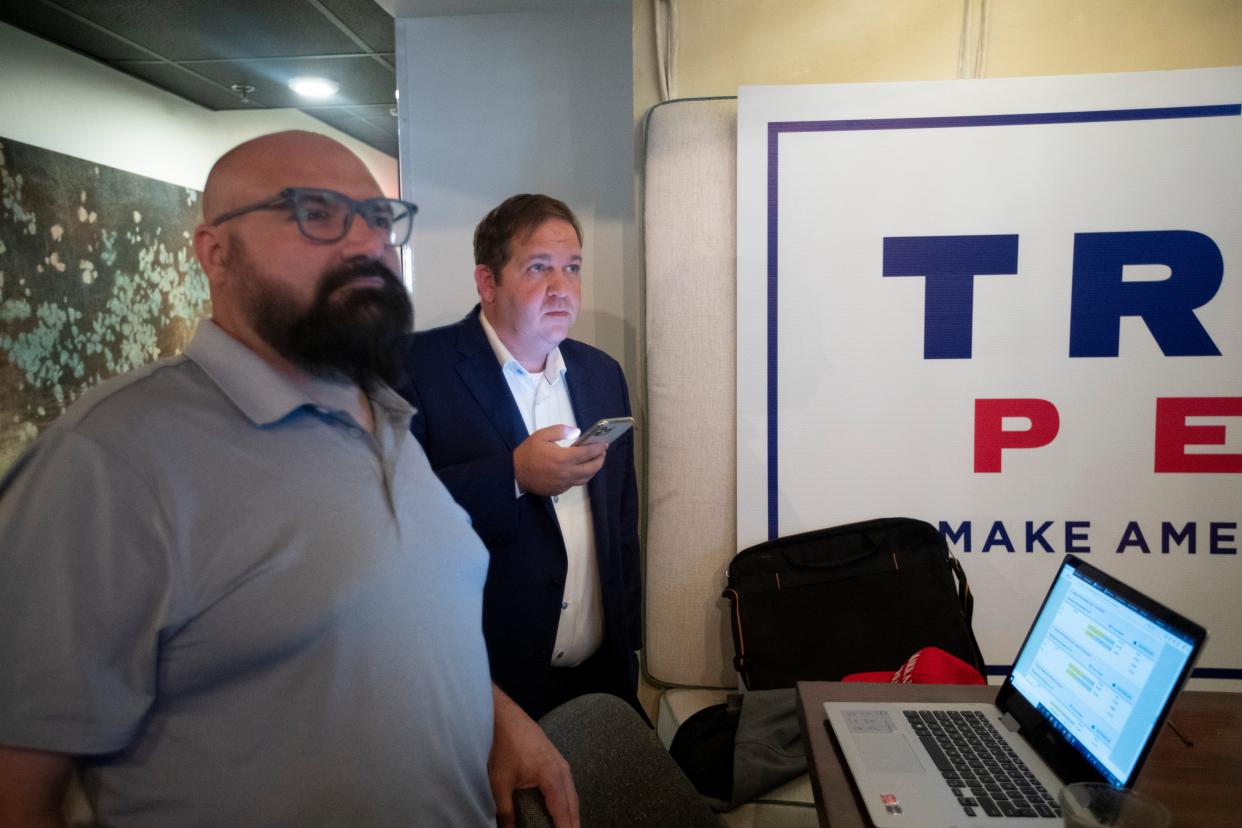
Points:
point(262, 393)
point(553, 369)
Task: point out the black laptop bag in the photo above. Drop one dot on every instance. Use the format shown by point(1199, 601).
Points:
point(856, 598)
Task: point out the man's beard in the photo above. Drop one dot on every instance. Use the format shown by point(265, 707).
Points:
point(355, 336)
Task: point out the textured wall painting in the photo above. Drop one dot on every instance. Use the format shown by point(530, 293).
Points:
point(97, 276)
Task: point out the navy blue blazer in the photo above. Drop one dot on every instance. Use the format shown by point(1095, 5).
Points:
point(469, 425)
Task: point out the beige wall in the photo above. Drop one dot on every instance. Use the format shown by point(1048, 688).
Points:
point(723, 44)
point(1061, 37)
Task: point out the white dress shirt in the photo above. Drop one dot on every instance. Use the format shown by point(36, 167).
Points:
point(544, 401)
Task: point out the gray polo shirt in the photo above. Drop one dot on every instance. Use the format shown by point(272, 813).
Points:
point(242, 608)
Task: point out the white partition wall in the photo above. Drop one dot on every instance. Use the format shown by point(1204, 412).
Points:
point(497, 104)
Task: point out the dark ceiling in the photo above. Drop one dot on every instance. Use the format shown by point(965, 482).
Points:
point(200, 49)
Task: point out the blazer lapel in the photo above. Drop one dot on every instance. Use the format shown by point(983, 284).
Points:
point(588, 407)
point(485, 380)
point(583, 396)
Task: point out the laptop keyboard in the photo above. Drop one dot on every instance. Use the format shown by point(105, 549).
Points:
point(979, 766)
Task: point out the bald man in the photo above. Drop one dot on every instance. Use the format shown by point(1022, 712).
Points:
point(232, 592)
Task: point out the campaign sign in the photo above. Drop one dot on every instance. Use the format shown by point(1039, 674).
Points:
point(1012, 308)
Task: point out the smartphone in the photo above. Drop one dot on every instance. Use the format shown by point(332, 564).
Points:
point(605, 431)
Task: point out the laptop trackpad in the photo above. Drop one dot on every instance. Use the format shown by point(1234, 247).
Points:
point(890, 753)
point(879, 744)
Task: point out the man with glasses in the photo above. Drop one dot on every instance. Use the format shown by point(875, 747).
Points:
point(255, 604)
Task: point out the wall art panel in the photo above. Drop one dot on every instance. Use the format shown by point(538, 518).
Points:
point(97, 277)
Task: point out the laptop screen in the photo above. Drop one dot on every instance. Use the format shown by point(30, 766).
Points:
point(1100, 664)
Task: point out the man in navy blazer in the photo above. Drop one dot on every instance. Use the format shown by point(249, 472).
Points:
point(500, 397)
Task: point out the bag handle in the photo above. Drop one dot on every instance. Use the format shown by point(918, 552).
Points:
point(796, 558)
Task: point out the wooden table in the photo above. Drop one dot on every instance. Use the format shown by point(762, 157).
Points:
point(1201, 785)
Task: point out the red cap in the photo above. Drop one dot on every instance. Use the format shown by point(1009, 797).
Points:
point(930, 665)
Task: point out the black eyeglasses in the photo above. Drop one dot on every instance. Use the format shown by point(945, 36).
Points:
point(326, 215)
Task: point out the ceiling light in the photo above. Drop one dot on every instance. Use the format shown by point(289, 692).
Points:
point(309, 87)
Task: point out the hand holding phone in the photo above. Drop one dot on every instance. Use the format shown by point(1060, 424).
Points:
point(605, 431)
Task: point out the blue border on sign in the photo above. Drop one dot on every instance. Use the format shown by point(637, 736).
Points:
point(777, 128)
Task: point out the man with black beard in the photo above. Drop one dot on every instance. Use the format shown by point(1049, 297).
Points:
point(256, 604)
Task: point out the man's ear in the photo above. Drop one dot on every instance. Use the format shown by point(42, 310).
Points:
point(485, 283)
point(211, 249)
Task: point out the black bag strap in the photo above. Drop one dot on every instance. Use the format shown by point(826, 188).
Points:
point(967, 602)
point(964, 596)
point(741, 663)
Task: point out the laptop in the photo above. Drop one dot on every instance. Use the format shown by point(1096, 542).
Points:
point(1084, 701)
